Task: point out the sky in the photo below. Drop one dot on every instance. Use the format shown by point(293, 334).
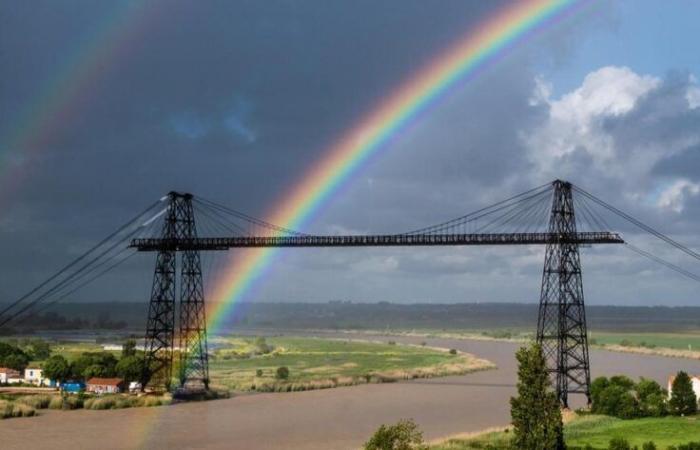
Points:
point(234, 100)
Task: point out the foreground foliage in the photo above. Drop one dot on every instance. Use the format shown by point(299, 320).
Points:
point(537, 421)
point(402, 436)
point(596, 432)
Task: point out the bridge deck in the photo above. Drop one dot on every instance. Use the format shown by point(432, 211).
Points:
point(387, 240)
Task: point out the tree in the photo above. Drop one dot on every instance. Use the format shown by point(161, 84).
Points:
point(651, 397)
point(129, 348)
point(535, 413)
point(282, 373)
point(404, 435)
point(57, 368)
point(683, 400)
point(100, 364)
point(617, 401)
point(13, 357)
point(40, 349)
point(597, 387)
point(129, 368)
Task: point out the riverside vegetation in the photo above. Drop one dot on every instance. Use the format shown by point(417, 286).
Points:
point(278, 364)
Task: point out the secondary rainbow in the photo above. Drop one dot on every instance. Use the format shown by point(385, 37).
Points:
point(72, 86)
point(481, 46)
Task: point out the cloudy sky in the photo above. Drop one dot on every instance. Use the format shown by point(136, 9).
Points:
point(235, 100)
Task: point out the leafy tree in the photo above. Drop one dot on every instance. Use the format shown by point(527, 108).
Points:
point(597, 387)
point(100, 364)
point(651, 397)
point(40, 349)
point(623, 381)
point(13, 357)
point(683, 400)
point(282, 373)
point(619, 443)
point(617, 401)
point(129, 348)
point(57, 368)
point(402, 436)
point(129, 368)
point(536, 417)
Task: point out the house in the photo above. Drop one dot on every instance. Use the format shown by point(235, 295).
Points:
point(33, 375)
point(9, 376)
point(694, 379)
point(73, 387)
point(105, 385)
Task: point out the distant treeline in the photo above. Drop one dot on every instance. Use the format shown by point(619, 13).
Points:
point(377, 316)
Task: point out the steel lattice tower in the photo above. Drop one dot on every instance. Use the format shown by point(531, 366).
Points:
point(561, 326)
point(178, 226)
point(194, 359)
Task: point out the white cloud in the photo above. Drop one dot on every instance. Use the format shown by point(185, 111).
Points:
point(673, 196)
point(575, 120)
point(692, 96)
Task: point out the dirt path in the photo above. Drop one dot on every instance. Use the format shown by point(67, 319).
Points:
point(341, 418)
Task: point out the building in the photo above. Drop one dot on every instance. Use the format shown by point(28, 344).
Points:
point(694, 379)
point(105, 385)
point(33, 375)
point(9, 376)
point(73, 387)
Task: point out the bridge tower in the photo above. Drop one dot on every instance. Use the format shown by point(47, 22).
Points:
point(178, 225)
point(561, 325)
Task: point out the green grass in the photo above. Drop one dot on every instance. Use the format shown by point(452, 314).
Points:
point(679, 341)
point(317, 363)
point(597, 431)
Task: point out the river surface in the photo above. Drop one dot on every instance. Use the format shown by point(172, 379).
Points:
point(340, 418)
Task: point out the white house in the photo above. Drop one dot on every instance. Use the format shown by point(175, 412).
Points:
point(9, 376)
point(34, 375)
point(694, 379)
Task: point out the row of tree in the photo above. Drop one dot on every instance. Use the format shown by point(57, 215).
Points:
point(18, 354)
point(97, 364)
point(619, 396)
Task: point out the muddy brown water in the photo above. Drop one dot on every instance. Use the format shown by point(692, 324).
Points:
point(341, 418)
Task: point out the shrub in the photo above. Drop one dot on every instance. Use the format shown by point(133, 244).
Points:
point(282, 373)
point(35, 401)
point(391, 342)
point(56, 402)
point(453, 351)
point(259, 373)
point(402, 436)
point(648, 446)
point(651, 397)
point(619, 444)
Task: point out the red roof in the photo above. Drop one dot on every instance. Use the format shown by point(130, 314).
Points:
point(9, 371)
point(105, 381)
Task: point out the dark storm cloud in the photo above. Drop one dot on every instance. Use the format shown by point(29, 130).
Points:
point(234, 101)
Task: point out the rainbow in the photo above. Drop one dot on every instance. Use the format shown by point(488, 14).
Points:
point(71, 87)
point(462, 61)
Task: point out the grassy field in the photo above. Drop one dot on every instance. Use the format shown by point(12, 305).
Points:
point(239, 365)
point(679, 341)
point(597, 431)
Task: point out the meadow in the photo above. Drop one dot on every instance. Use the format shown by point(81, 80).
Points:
point(597, 431)
point(250, 364)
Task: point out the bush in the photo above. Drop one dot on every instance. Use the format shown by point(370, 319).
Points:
point(11, 409)
point(402, 436)
point(35, 401)
point(648, 446)
point(282, 373)
point(453, 351)
point(56, 402)
point(391, 342)
point(619, 444)
point(259, 373)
